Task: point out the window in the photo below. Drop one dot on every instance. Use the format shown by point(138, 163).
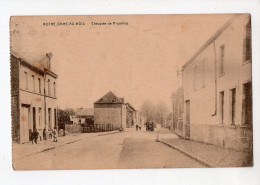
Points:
point(247, 104)
point(247, 42)
point(48, 87)
point(54, 89)
point(49, 118)
point(40, 117)
point(33, 81)
point(40, 89)
point(194, 78)
point(233, 105)
point(221, 99)
point(222, 56)
point(26, 80)
point(55, 117)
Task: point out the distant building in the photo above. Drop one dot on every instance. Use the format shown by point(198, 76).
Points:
point(177, 111)
point(168, 121)
point(84, 116)
point(34, 96)
point(218, 89)
point(112, 110)
point(130, 116)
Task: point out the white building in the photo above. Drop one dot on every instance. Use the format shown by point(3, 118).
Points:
point(217, 88)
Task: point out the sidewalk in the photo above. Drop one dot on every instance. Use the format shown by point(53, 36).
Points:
point(23, 150)
point(207, 154)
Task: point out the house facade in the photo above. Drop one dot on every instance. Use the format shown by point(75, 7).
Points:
point(177, 111)
point(84, 116)
point(217, 88)
point(110, 110)
point(130, 116)
point(33, 96)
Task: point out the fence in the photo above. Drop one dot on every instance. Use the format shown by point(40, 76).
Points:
point(92, 128)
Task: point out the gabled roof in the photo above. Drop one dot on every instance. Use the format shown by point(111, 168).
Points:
point(84, 112)
point(211, 40)
point(128, 105)
point(110, 97)
point(37, 62)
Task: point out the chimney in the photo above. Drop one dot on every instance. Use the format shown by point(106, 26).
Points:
point(49, 56)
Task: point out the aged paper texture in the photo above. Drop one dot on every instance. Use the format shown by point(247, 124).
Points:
point(131, 91)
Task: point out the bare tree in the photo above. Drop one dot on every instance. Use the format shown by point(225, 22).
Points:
point(156, 113)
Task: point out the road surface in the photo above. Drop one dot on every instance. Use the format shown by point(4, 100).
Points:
point(121, 150)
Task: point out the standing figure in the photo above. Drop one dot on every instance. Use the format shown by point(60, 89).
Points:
point(35, 135)
point(55, 134)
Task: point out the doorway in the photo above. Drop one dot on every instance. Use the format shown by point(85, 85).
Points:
point(34, 118)
point(55, 118)
point(247, 104)
point(24, 123)
point(187, 116)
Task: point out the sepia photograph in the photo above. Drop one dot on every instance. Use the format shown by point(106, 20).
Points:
point(131, 91)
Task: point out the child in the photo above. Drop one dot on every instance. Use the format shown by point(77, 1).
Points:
point(36, 135)
point(55, 135)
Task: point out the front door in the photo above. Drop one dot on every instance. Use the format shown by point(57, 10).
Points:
point(187, 116)
point(24, 123)
point(34, 119)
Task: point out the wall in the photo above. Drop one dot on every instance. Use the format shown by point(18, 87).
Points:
point(15, 98)
point(177, 111)
point(33, 96)
point(202, 83)
point(51, 100)
point(28, 91)
point(108, 114)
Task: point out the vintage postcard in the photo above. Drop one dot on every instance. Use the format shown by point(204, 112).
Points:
point(131, 91)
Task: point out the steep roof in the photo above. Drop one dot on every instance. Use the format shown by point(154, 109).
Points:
point(110, 97)
point(84, 112)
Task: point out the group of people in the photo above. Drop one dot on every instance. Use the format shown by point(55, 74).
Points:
point(138, 127)
point(35, 135)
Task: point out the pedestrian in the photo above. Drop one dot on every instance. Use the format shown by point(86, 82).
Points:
point(136, 127)
point(55, 134)
point(35, 136)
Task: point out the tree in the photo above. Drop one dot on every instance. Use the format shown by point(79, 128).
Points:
point(156, 113)
point(161, 112)
point(64, 115)
point(147, 110)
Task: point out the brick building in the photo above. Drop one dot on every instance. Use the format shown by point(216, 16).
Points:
point(217, 88)
point(33, 96)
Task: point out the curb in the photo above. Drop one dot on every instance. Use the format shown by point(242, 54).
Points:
point(66, 143)
point(201, 161)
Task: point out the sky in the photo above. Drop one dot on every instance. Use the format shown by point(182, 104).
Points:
point(137, 60)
